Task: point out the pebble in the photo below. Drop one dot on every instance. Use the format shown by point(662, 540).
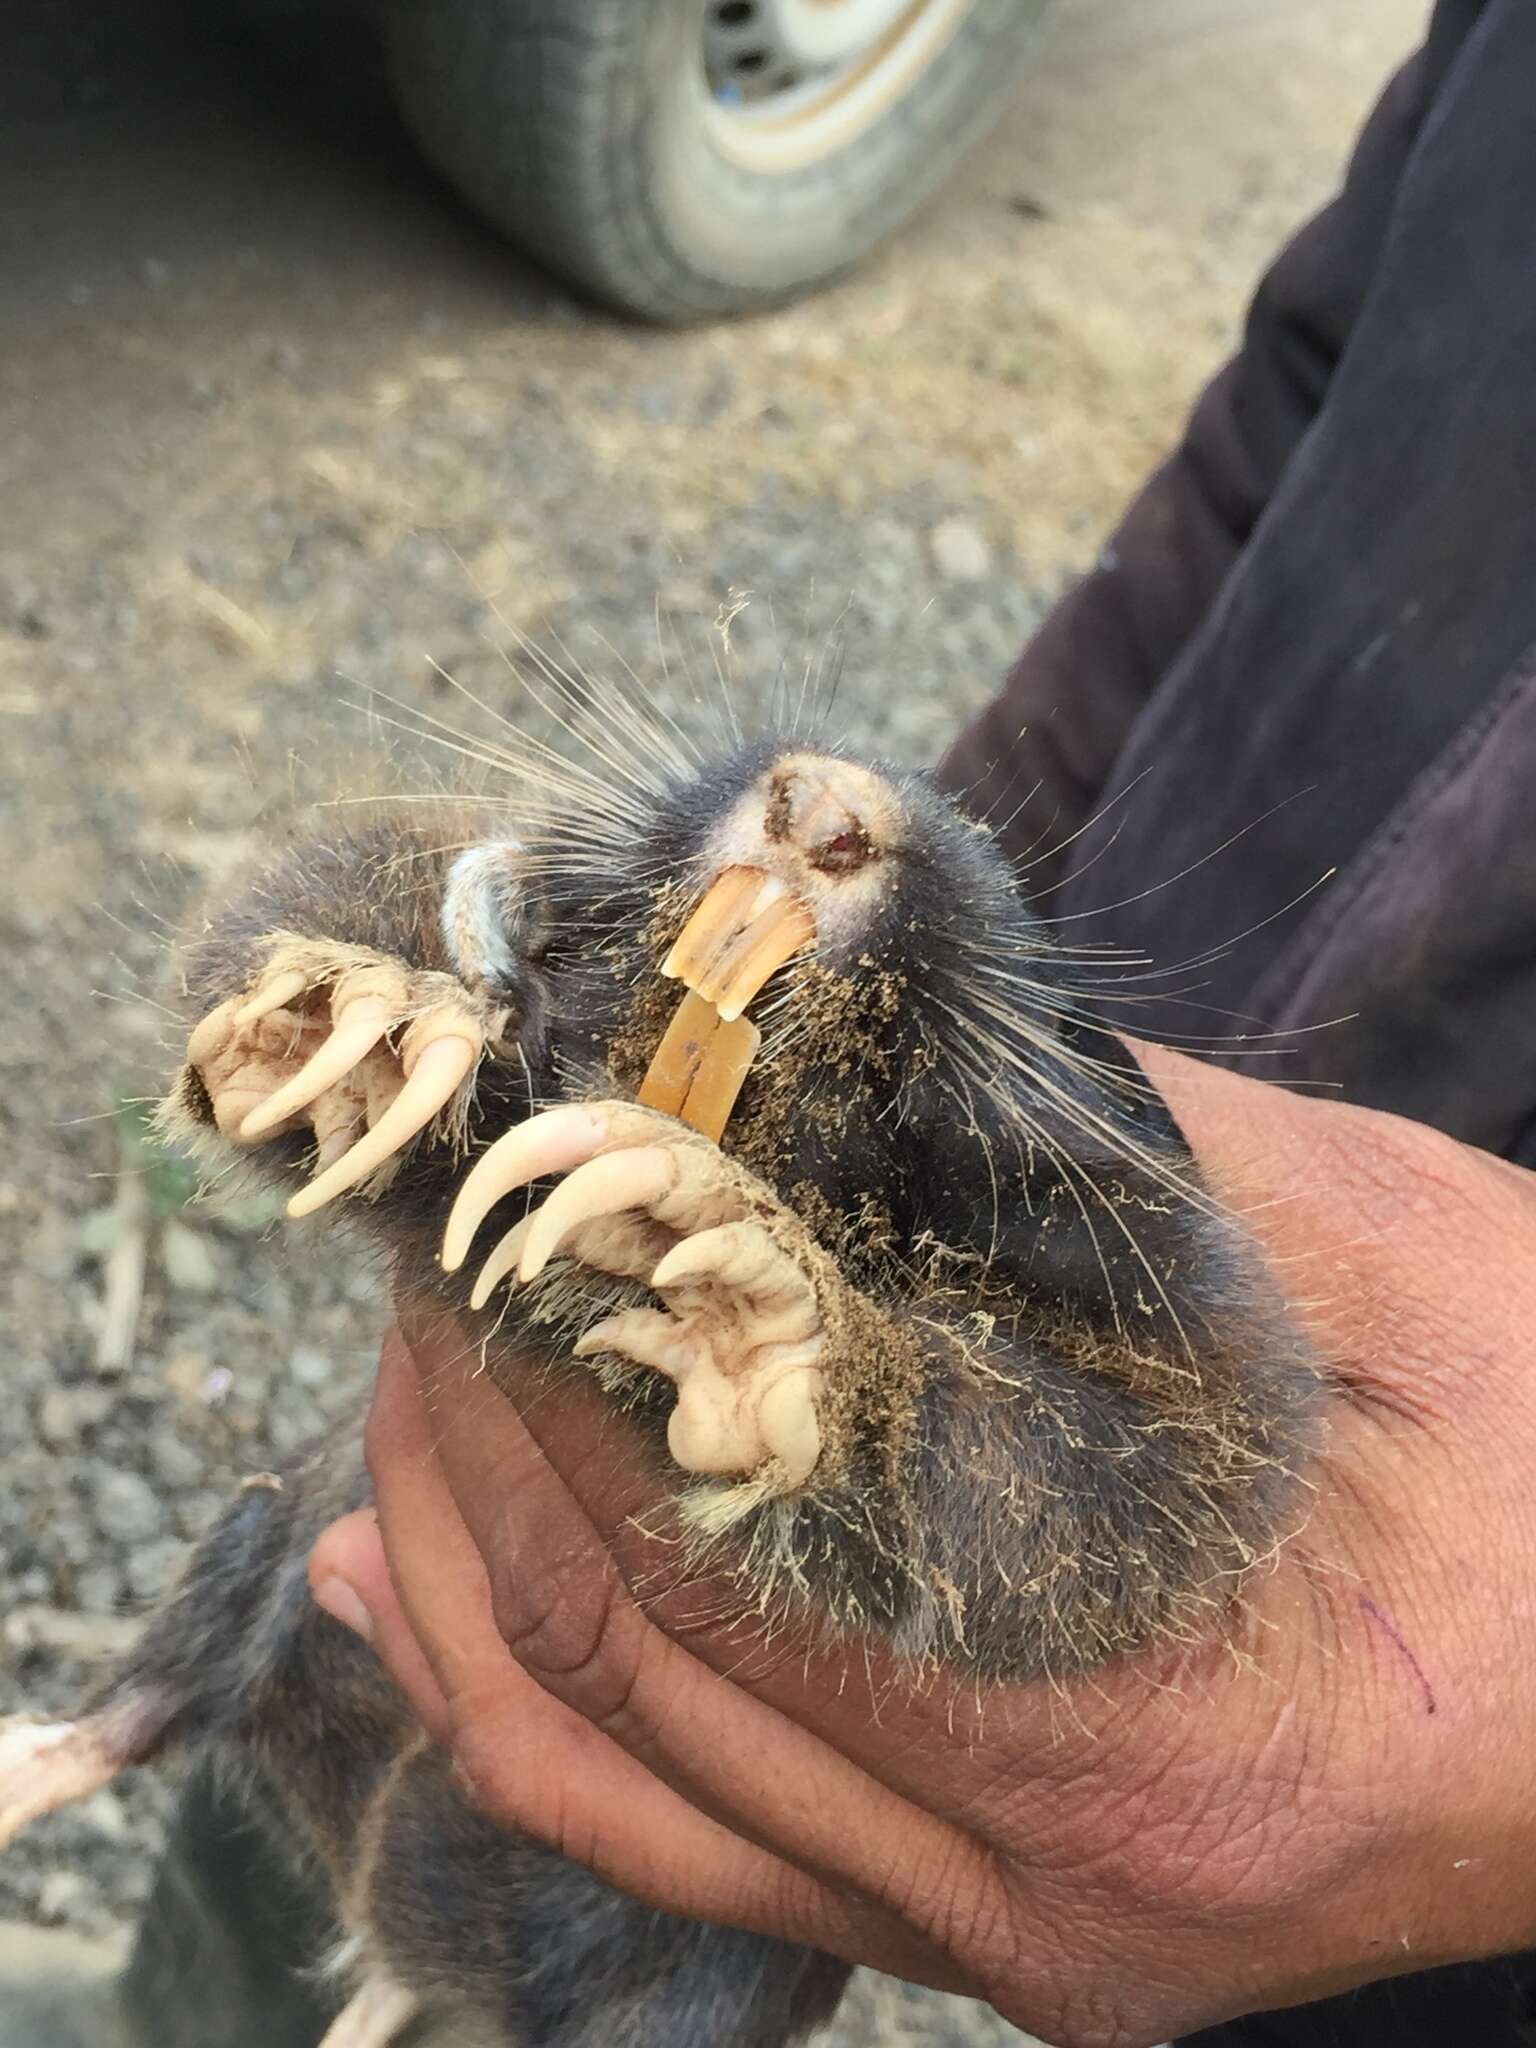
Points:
point(65, 1414)
point(126, 1508)
point(961, 551)
point(190, 1263)
point(61, 1894)
point(105, 1813)
point(67, 1633)
point(309, 1367)
point(197, 1511)
point(98, 1588)
point(152, 1567)
point(176, 1462)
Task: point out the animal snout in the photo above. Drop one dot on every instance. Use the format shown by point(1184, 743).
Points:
point(837, 816)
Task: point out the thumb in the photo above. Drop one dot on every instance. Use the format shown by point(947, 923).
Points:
point(349, 1578)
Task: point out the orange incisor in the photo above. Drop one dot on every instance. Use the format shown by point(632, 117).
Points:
point(743, 931)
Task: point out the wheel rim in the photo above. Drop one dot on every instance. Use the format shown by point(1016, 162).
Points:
point(786, 82)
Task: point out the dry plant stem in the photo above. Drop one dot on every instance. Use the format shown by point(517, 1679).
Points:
point(123, 1274)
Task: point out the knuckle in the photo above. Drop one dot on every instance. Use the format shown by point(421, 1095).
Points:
point(568, 1627)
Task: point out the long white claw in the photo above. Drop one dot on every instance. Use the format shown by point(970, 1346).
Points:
point(436, 1078)
point(603, 1187)
point(500, 1263)
point(284, 987)
point(363, 1023)
point(552, 1142)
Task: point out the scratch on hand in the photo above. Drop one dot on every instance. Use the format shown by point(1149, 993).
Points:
point(1395, 1636)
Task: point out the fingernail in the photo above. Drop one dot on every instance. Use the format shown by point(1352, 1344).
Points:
point(341, 1602)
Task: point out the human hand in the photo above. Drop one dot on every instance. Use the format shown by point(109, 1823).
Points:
point(1338, 1790)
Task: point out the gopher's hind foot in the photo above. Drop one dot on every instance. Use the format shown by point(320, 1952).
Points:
point(379, 2014)
point(46, 1764)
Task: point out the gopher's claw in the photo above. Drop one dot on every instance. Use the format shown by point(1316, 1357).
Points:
point(359, 1047)
point(440, 1071)
point(740, 1334)
point(552, 1142)
point(359, 1027)
point(602, 1187)
point(503, 1260)
point(275, 993)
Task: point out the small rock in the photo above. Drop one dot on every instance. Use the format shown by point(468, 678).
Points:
point(197, 1511)
point(104, 1812)
point(152, 1567)
point(126, 1507)
point(187, 1376)
point(654, 402)
point(175, 1460)
point(97, 1590)
point(62, 1893)
point(961, 551)
point(66, 1413)
point(70, 1535)
point(190, 1264)
point(290, 1424)
point(311, 1368)
point(66, 1633)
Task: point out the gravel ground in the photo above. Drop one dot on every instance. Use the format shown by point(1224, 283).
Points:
point(283, 431)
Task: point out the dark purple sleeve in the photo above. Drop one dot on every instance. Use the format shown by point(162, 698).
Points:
point(1038, 757)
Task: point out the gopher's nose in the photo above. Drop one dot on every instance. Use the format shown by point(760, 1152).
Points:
point(829, 811)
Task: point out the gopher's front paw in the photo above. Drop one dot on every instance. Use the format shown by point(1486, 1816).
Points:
point(357, 1046)
point(741, 1332)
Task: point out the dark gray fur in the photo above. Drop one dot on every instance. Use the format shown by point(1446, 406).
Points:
point(1113, 1408)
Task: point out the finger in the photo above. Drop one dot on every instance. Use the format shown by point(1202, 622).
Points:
point(213, 1033)
point(537, 1765)
point(382, 1082)
point(349, 1578)
point(649, 1336)
point(562, 1608)
point(741, 1255)
point(338, 1116)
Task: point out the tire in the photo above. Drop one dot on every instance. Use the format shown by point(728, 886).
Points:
point(585, 129)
